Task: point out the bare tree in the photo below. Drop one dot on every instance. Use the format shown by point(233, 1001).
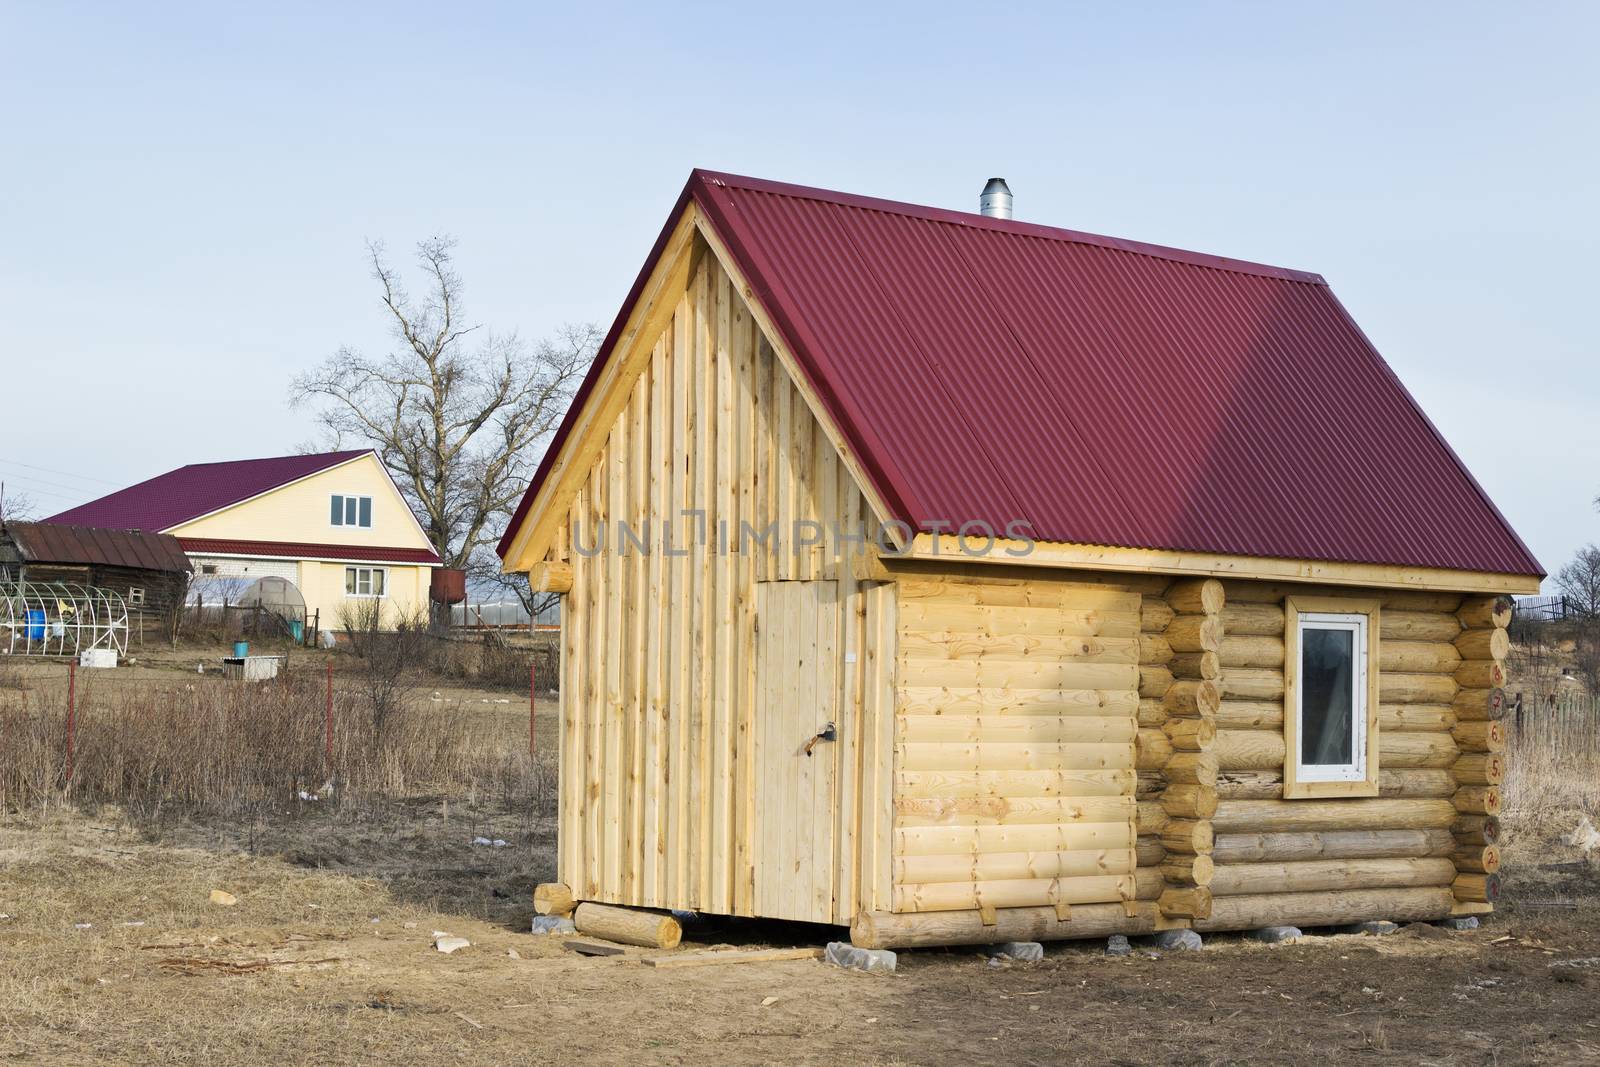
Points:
point(456, 413)
point(483, 569)
point(15, 506)
point(1579, 582)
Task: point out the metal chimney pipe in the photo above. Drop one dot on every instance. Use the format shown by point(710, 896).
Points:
point(995, 202)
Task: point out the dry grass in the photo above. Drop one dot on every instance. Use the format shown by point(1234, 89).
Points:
point(238, 748)
point(1553, 759)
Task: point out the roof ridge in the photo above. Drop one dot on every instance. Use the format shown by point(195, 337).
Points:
point(1015, 227)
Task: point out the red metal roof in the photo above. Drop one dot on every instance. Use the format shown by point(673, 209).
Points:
point(217, 546)
point(187, 493)
point(1102, 391)
point(41, 542)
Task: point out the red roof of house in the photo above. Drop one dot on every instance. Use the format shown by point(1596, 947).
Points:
point(187, 493)
point(216, 546)
point(1103, 391)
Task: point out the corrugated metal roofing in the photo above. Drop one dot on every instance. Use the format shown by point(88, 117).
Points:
point(41, 542)
point(1103, 391)
point(178, 496)
point(216, 546)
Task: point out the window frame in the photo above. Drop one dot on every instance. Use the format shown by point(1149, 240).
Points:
point(383, 576)
point(346, 500)
point(136, 596)
point(1331, 611)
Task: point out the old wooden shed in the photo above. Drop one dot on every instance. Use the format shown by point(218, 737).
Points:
point(967, 580)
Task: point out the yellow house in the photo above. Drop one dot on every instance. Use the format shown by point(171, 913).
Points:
point(332, 523)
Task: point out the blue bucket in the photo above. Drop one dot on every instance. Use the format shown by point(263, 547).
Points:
point(241, 649)
point(35, 624)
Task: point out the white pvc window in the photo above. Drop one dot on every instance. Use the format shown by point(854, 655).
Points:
point(364, 581)
point(350, 510)
point(1331, 698)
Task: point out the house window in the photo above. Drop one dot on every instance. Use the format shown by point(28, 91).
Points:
point(135, 597)
point(208, 568)
point(364, 581)
point(350, 510)
point(1330, 698)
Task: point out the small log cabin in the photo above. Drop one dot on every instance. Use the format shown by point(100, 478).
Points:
point(966, 580)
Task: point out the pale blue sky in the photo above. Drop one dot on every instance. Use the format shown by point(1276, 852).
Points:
point(186, 189)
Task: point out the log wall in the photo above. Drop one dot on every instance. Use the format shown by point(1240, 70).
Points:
point(1397, 848)
point(659, 804)
point(1014, 757)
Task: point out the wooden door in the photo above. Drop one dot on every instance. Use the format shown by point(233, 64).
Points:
point(797, 682)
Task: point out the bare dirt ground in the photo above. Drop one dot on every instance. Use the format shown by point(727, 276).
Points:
point(327, 958)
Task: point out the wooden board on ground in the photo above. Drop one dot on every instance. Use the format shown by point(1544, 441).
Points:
point(756, 955)
point(593, 948)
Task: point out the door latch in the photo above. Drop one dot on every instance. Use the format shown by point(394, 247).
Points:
point(827, 733)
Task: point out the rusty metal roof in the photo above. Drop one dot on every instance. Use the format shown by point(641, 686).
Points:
point(43, 542)
point(1101, 391)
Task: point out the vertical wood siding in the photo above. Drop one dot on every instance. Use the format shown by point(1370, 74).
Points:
point(658, 776)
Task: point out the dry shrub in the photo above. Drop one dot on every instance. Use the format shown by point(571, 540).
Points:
point(244, 747)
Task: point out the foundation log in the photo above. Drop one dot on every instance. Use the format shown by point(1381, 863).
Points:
point(1186, 902)
point(1479, 887)
point(1196, 596)
point(1327, 908)
point(553, 898)
point(931, 929)
point(627, 926)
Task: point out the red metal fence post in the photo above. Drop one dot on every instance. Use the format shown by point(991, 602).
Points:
point(327, 720)
point(72, 714)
